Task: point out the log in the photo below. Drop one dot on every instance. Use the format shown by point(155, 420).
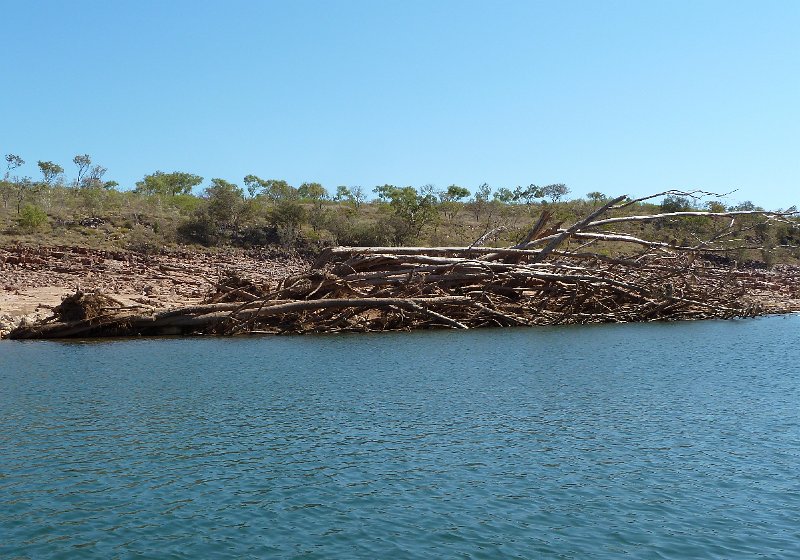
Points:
point(399, 288)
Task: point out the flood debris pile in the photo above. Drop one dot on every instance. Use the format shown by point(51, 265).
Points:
point(82, 306)
point(233, 286)
point(556, 275)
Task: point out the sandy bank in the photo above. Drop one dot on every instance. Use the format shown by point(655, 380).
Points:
point(34, 279)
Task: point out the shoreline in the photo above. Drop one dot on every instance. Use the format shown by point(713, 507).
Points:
point(35, 279)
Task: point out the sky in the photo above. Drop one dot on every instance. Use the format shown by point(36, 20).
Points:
point(622, 97)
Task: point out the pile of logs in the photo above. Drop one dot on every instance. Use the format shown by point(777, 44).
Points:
point(549, 278)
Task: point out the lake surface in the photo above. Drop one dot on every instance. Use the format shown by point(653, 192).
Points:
point(676, 440)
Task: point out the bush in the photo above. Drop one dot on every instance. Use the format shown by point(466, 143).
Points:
point(32, 218)
point(186, 204)
point(199, 229)
point(673, 203)
point(287, 215)
point(257, 236)
point(145, 241)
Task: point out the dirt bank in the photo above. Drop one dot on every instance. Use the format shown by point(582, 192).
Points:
point(33, 279)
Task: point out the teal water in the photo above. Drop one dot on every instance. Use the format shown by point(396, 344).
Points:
point(651, 441)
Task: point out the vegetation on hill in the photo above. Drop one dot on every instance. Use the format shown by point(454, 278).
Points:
point(165, 209)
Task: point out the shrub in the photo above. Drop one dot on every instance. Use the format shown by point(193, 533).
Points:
point(674, 203)
point(347, 229)
point(199, 229)
point(287, 215)
point(32, 218)
point(145, 241)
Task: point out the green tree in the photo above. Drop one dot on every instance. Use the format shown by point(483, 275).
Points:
point(355, 196)
point(359, 196)
point(224, 203)
point(746, 206)
point(23, 189)
point(51, 172)
point(168, 184)
point(414, 210)
point(7, 186)
point(13, 161)
point(450, 200)
point(287, 213)
point(314, 192)
point(273, 190)
point(596, 197)
point(253, 184)
point(675, 203)
point(504, 195)
point(555, 192)
point(528, 194)
point(94, 178)
point(480, 200)
point(342, 194)
point(287, 216)
point(83, 162)
point(454, 193)
point(384, 192)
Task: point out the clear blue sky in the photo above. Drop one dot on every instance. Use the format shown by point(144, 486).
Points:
point(624, 97)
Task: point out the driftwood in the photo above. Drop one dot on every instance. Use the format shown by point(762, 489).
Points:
point(540, 281)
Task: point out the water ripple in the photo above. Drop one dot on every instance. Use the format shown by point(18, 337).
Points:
point(656, 441)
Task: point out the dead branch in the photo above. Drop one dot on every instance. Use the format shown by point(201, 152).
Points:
point(368, 289)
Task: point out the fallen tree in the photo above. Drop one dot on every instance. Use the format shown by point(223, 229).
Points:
point(543, 280)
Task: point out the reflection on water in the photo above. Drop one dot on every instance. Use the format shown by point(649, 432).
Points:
point(662, 441)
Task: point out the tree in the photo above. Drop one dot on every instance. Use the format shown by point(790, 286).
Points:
point(596, 197)
point(674, 203)
point(51, 172)
point(555, 192)
point(82, 162)
point(254, 185)
point(504, 195)
point(450, 200)
point(224, 202)
point(8, 187)
point(480, 200)
point(454, 193)
point(287, 216)
point(314, 192)
point(528, 194)
point(384, 192)
point(358, 196)
point(273, 190)
point(483, 192)
point(168, 184)
point(342, 194)
point(414, 209)
point(12, 162)
point(94, 177)
point(355, 196)
point(746, 206)
point(22, 189)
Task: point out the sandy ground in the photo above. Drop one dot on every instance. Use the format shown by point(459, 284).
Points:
point(35, 279)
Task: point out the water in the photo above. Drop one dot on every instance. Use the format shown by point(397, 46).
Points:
point(655, 441)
